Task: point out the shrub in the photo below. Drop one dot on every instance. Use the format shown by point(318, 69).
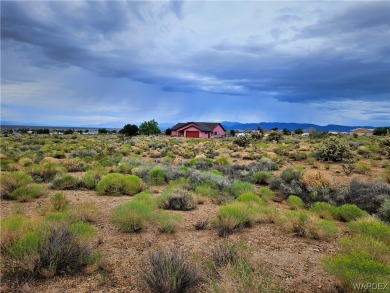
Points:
point(225, 254)
point(59, 202)
point(117, 184)
point(125, 167)
point(333, 149)
point(219, 182)
point(242, 141)
point(29, 192)
point(206, 189)
point(46, 253)
point(131, 184)
point(303, 224)
point(57, 217)
point(357, 268)
point(86, 212)
point(178, 199)
point(298, 156)
point(373, 228)
point(266, 193)
point(379, 250)
point(295, 202)
point(234, 272)
point(13, 180)
point(264, 164)
point(132, 216)
point(169, 271)
point(292, 173)
point(110, 184)
point(238, 187)
point(222, 161)
point(367, 196)
point(324, 210)
point(275, 135)
point(384, 211)
point(92, 177)
point(350, 212)
point(275, 183)
point(65, 182)
point(83, 231)
point(230, 218)
point(158, 176)
point(317, 180)
point(166, 222)
point(74, 165)
point(45, 172)
point(262, 177)
point(12, 228)
point(250, 198)
point(361, 168)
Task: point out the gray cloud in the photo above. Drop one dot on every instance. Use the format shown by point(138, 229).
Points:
point(340, 56)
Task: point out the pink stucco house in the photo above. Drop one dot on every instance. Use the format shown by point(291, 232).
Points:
point(198, 129)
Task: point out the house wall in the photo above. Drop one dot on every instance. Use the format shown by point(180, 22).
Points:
point(219, 130)
point(202, 134)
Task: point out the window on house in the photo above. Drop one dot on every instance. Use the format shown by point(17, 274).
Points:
point(205, 132)
point(215, 133)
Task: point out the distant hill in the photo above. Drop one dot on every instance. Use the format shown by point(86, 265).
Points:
point(291, 126)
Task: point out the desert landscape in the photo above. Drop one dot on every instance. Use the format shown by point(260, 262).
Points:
point(253, 213)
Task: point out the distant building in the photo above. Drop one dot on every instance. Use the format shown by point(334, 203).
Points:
point(362, 132)
point(198, 130)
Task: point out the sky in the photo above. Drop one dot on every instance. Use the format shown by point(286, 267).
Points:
point(118, 62)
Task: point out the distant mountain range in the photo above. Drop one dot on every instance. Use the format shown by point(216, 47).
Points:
point(228, 125)
point(290, 126)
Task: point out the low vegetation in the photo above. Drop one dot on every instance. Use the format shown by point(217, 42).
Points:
point(66, 196)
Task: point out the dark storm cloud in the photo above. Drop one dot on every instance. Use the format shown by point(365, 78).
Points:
point(362, 16)
point(298, 55)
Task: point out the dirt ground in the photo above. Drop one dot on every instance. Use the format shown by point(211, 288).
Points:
point(295, 260)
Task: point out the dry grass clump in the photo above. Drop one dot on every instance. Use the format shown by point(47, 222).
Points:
point(170, 271)
point(319, 180)
point(86, 212)
point(305, 224)
point(177, 199)
point(234, 272)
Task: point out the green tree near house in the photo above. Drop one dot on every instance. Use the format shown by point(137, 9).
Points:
point(129, 130)
point(149, 128)
point(102, 131)
point(298, 131)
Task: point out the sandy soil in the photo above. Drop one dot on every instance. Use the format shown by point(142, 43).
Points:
point(296, 260)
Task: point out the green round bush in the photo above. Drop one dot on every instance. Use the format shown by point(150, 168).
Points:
point(131, 184)
point(110, 184)
point(262, 177)
point(158, 176)
point(118, 184)
point(27, 193)
point(239, 187)
point(350, 212)
point(250, 198)
point(132, 216)
point(295, 202)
